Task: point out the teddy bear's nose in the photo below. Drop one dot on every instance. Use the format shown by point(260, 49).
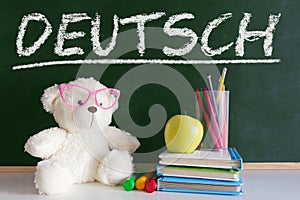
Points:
point(92, 109)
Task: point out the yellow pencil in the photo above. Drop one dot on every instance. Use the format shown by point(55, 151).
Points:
point(221, 83)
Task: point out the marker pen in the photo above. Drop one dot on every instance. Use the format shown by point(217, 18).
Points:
point(142, 180)
point(151, 185)
point(128, 184)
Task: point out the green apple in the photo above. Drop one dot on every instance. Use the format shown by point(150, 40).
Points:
point(183, 134)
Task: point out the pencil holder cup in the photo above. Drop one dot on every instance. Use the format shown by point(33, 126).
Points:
point(213, 112)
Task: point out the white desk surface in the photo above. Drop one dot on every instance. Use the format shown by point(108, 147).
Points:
point(258, 184)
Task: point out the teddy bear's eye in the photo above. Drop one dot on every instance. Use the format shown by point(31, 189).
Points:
point(101, 104)
point(80, 102)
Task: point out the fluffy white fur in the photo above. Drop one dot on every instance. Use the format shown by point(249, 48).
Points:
point(67, 156)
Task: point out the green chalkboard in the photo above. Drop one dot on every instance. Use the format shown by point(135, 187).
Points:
point(156, 82)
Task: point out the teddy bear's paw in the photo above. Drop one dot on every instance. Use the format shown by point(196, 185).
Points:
point(115, 167)
point(51, 178)
point(45, 143)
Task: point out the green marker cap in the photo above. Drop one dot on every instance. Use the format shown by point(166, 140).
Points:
point(128, 184)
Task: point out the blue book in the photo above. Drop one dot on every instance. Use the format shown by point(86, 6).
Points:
point(223, 159)
point(197, 185)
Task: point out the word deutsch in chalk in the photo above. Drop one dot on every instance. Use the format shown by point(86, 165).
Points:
point(140, 21)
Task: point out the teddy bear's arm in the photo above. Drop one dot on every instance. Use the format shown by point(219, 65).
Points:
point(121, 140)
point(45, 143)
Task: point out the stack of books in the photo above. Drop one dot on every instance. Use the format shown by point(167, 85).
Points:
point(203, 171)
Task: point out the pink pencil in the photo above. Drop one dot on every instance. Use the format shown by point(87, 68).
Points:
point(213, 118)
point(206, 117)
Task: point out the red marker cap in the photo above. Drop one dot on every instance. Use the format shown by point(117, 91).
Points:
point(151, 185)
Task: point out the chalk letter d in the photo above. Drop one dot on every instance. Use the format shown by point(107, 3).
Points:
point(27, 51)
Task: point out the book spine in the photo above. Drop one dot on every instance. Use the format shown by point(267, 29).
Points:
point(158, 167)
point(232, 153)
point(236, 156)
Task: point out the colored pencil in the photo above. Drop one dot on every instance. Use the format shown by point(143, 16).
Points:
point(221, 83)
point(213, 119)
point(207, 120)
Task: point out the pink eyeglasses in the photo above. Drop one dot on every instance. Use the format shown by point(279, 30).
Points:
point(76, 96)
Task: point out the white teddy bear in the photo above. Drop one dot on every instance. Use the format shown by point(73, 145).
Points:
point(84, 148)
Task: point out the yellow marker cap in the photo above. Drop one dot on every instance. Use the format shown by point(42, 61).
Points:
point(141, 182)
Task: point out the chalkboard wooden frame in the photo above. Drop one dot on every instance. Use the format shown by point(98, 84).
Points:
point(246, 166)
point(264, 121)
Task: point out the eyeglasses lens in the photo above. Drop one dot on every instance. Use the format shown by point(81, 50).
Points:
point(106, 98)
point(75, 96)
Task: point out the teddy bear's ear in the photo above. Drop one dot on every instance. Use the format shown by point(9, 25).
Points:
point(49, 97)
